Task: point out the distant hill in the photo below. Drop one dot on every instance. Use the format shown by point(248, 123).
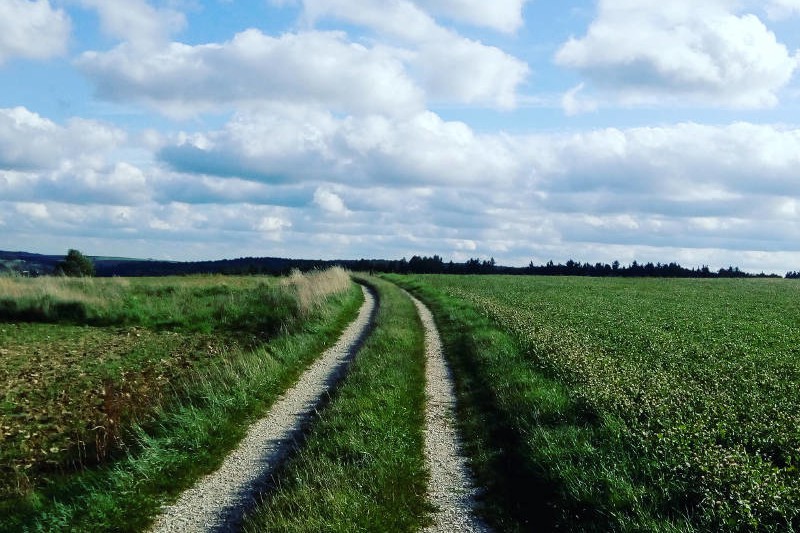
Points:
point(33, 264)
point(39, 265)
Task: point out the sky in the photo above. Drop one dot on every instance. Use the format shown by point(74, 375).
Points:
point(524, 130)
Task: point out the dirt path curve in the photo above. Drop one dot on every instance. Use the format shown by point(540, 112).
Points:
point(218, 501)
point(451, 489)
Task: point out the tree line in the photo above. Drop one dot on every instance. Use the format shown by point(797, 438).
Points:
point(76, 264)
point(436, 265)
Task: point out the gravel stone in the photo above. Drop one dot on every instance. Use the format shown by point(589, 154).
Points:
point(451, 488)
point(219, 500)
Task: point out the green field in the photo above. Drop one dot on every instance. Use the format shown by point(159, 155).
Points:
point(657, 405)
point(586, 404)
point(117, 393)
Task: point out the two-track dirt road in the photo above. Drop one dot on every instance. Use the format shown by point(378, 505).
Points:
point(218, 501)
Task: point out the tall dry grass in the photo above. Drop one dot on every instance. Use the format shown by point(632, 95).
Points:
point(87, 291)
point(313, 288)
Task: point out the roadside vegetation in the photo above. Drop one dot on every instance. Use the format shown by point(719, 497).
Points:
point(361, 467)
point(628, 405)
point(117, 393)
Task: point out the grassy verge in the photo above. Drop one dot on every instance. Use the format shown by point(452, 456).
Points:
point(203, 415)
point(361, 467)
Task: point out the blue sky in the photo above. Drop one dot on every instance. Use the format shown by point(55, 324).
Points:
point(521, 130)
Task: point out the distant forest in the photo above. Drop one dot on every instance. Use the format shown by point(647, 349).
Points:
point(35, 264)
point(435, 265)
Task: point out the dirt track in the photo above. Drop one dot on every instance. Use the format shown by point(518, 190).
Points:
point(451, 488)
point(218, 501)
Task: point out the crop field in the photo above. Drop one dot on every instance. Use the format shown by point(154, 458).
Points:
point(91, 370)
point(650, 404)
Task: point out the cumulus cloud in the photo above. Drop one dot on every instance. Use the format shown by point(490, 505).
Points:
point(40, 159)
point(329, 201)
point(683, 163)
point(502, 15)
point(780, 9)
point(451, 67)
point(36, 211)
point(296, 144)
point(136, 21)
point(291, 143)
point(681, 52)
point(316, 68)
point(272, 225)
point(470, 72)
point(425, 62)
point(32, 29)
point(427, 185)
point(29, 141)
point(686, 186)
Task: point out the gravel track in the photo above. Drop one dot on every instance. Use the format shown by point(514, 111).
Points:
point(218, 501)
point(451, 488)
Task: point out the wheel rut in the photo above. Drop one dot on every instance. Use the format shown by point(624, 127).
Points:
point(451, 488)
point(218, 501)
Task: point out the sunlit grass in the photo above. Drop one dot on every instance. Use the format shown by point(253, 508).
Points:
point(164, 389)
point(361, 468)
point(630, 404)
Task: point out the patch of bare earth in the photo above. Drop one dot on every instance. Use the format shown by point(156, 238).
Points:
point(451, 488)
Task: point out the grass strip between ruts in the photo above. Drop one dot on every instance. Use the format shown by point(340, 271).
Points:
point(187, 439)
point(361, 467)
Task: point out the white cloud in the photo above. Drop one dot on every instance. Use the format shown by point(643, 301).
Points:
point(681, 53)
point(780, 9)
point(136, 21)
point(395, 18)
point(29, 141)
point(33, 210)
point(32, 29)
point(40, 159)
point(315, 68)
point(272, 225)
point(425, 149)
point(741, 170)
point(466, 71)
point(502, 15)
point(292, 144)
point(329, 201)
point(426, 62)
point(574, 104)
point(451, 67)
